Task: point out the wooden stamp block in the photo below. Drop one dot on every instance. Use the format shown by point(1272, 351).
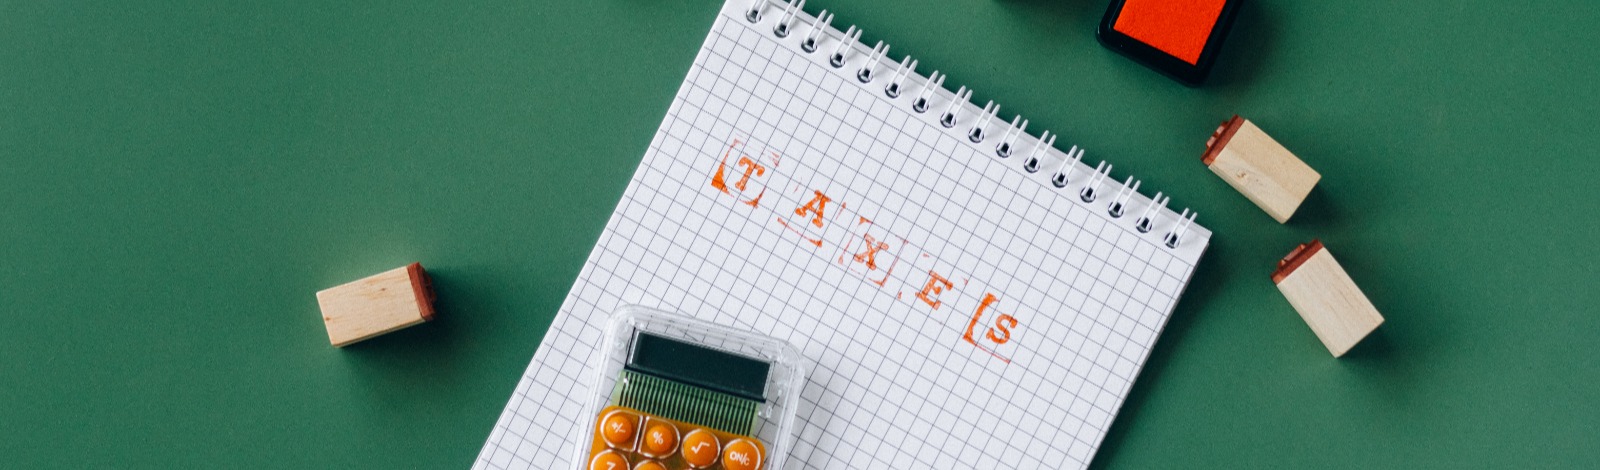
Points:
point(1326, 298)
point(379, 304)
point(1250, 161)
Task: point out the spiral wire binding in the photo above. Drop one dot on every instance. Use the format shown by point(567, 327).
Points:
point(1182, 228)
point(978, 131)
point(846, 45)
point(952, 113)
point(1046, 140)
point(818, 25)
point(754, 13)
point(1064, 172)
point(1144, 224)
point(782, 29)
point(907, 65)
point(935, 80)
point(1121, 201)
point(1003, 150)
point(989, 110)
point(878, 53)
point(1100, 173)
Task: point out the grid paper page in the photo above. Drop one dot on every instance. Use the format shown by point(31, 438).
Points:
point(957, 311)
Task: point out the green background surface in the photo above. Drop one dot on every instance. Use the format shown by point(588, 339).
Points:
point(178, 178)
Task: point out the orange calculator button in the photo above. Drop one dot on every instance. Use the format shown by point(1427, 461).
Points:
point(700, 448)
point(650, 465)
point(741, 454)
point(608, 460)
point(617, 428)
point(660, 439)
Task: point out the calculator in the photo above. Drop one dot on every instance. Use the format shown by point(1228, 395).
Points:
point(673, 392)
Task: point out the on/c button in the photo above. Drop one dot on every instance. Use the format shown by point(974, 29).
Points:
point(741, 454)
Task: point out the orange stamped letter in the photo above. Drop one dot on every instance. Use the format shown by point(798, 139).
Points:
point(936, 285)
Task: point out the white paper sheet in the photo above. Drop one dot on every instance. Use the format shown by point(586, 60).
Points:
point(959, 312)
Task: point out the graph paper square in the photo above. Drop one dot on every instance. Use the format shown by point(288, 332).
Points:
point(956, 310)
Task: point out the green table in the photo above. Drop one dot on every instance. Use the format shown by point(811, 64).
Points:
point(180, 177)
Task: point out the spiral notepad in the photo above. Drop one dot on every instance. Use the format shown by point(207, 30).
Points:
point(966, 294)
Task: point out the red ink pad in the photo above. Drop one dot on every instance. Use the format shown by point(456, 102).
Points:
point(1179, 38)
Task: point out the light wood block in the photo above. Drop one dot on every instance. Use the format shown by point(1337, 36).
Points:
point(379, 304)
point(1326, 298)
point(1254, 164)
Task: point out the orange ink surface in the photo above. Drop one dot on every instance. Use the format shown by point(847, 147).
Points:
point(815, 207)
point(870, 257)
point(811, 213)
point(1178, 27)
point(930, 292)
point(751, 167)
point(862, 253)
point(998, 334)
